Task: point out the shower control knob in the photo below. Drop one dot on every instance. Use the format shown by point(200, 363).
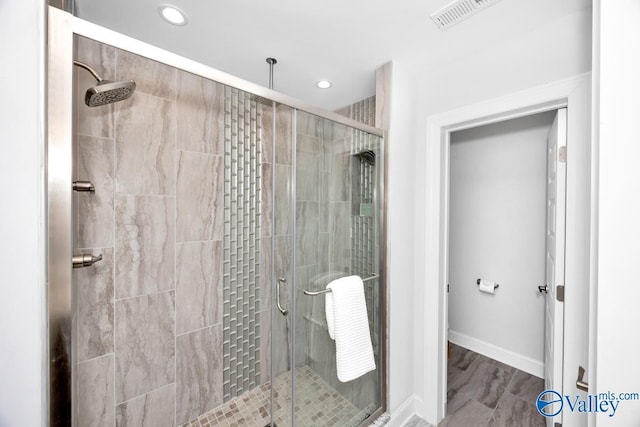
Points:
point(544, 289)
point(85, 260)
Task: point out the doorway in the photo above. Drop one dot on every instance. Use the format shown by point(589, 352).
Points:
point(573, 93)
point(504, 216)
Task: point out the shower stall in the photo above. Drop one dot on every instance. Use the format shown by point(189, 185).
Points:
point(203, 214)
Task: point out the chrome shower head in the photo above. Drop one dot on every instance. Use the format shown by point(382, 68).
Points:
point(106, 92)
point(367, 156)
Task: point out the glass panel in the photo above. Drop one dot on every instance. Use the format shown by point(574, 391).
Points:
point(337, 233)
point(282, 282)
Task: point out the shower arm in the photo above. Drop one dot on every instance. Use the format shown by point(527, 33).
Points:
point(89, 69)
point(271, 62)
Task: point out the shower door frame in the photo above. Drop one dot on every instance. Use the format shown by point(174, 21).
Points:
point(62, 27)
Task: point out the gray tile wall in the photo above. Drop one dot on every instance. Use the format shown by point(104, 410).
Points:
point(149, 315)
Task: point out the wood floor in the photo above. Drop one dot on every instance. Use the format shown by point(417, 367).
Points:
point(483, 392)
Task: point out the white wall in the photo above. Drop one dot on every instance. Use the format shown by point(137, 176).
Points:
point(400, 190)
point(618, 87)
point(22, 312)
point(497, 232)
point(558, 50)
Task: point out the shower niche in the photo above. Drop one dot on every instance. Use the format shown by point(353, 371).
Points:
point(212, 208)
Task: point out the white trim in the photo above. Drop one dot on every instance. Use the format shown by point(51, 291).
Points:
point(524, 363)
point(573, 93)
point(405, 411)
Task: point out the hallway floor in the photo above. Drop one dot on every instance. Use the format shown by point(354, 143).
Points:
point(483, 392)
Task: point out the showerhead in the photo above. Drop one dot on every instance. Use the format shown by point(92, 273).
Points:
point(367, 156)
point(106, 91)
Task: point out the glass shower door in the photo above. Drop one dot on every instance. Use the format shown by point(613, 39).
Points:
point(338, 174)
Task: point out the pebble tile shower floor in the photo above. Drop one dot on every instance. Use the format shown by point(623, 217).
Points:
point(317, 405)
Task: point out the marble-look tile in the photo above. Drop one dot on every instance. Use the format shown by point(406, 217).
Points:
point(340, 231)
point(515, 412)
point(154, 409)
point(308, 144)
point(200, 197)
point(94, 315)
point(282, 202)
point(526, 386)
point(265, 345)
point(340, 177)
point(282, 265)
point(266, 136)
point(198, 372)
point(93, 121)
point(333, 131)
point(198, 285)
point(267, 200)
point(470, 414)
point(303, 306)
point(94, 163)
point(200, 114)
point(283, 142)
point(481, 381)
point(452, 373)
point(145, 244)
point(145, 145)
point(265, 290)
point(308, 124)
point(281, 342)
point(145, 344)
point(324, 247)
point(307, 177)
point(95, 392)
point(307, 214)
point(151, 77)
point(462, 358)
point(493, 386)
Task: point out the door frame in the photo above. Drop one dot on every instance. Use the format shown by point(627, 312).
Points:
point(574, 94)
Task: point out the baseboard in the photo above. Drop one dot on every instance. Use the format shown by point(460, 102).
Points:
point(526, 364)
point(405, 412)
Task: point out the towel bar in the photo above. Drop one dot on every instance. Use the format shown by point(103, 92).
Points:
point(326, 291)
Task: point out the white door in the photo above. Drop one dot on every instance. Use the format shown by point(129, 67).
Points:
point(555, 256)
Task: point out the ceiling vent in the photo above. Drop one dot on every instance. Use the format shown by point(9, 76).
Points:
point(458, 11)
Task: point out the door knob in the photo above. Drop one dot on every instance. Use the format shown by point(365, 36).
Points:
point(544, 288)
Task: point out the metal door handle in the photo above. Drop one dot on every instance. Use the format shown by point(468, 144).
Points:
point(282, 310)
point(580, 383)
point(544, 289)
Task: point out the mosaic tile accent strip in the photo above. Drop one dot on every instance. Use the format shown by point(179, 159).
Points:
point(241, 243)
point(317, 405)
point(364, 258)
point(364, 111)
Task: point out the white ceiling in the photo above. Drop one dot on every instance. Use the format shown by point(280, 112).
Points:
point(343, 41)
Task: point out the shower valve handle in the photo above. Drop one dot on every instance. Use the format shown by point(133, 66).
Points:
point(85, 260)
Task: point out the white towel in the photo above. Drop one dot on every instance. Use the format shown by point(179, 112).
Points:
point(349, 326)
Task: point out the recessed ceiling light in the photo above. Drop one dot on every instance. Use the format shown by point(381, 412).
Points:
point(173, 15)
point(324, 84)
